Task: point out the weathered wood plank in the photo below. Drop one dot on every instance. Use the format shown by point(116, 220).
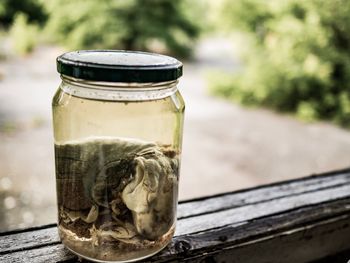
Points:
point(268, 228)
point(54, 253)
point(247, 206)
point(341, 257)
point(262, 193)
point(244, 213)
point(32, 239)
point(216, 244)
point(215, 229)
point(299, 245)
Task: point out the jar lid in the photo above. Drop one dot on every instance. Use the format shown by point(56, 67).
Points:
point(119, 66)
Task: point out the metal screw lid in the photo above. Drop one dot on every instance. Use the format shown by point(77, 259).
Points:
point(119, 66)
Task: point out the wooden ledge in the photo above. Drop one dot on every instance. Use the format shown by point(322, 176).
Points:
point(303, 220)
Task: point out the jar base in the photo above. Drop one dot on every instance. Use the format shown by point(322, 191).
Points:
point(118, 261)
point(83, 248)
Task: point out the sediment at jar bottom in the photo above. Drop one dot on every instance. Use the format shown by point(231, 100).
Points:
point(117, 197)
point(113, 251)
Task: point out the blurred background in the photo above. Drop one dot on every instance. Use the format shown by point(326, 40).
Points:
point(266, 85)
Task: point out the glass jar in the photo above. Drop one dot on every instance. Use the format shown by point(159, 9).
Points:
point(118, 119)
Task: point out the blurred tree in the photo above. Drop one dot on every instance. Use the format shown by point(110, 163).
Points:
point(162, 25)
point(33, 10)
point(24, 36)
point(296, 57)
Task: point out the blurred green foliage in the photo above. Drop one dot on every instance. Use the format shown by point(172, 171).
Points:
point(21, 19)
point(296, 57)
point(24, 36)
point(33, 9)
point(161, 25)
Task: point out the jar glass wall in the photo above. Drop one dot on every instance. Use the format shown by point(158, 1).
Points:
point(117, 154)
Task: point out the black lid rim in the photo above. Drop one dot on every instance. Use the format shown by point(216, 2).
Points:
point(119, 73)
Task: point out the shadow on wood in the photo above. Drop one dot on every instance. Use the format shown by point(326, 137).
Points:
point(303, 220)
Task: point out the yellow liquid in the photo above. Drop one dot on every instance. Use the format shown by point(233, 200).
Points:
point(158, 121)
point(80, 119)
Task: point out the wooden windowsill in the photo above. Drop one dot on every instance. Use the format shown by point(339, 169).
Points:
point(303, 220)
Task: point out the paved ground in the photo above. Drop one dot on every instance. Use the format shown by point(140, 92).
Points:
point(226, 147)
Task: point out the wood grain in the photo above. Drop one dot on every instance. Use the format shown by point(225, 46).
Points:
point(262, 193)
point(301, 220)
